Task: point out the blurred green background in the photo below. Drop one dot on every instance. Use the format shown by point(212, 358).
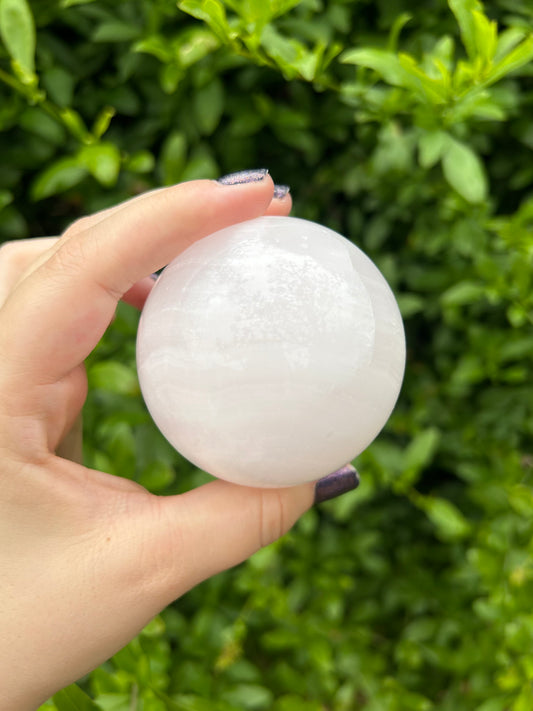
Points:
point(407, 126)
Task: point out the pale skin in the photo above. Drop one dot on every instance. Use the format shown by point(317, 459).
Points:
point(87, 559)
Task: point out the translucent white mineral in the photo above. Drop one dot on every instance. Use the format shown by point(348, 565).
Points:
point(271, 352)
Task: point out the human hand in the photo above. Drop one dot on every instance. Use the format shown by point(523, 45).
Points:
point(87, 559)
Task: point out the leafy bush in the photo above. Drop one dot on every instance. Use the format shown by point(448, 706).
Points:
point(405, 125)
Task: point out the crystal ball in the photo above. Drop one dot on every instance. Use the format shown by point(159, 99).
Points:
point(271, 353)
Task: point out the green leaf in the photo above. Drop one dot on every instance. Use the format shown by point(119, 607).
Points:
point(464, 14)
point(292, 56)
point(194, 44)
point(450, 523)
point(156, 45)
point(486, 35)
point(35, 120)
point(120, 444)
point(398, 70)
point(249, 696)
point(521, 499)
point(170, 76)
point(507, 40)
point(6, 197)
point(59, 177)
point(114, 702)
point(524, 702)
point(102, 161)
point(156, 476)
point(431, 147)
point(516, 349)
point(464, 171)
point(293, 702)
point(281, 7)
point(75, 124)
point(173, 158)
point(255, 14)
point(385, 63)
point(74, 699)
point(497, 704)
point(155, 628)
point(213, 13)
point(72, 3)
point(59, 85)
point(105, 682)
point(259, 12)
point(421, 449)
point(116, 31)
point(113, 377)
point(397, 27)
point(190, 702)
point(436, 90)
point(465, 292)
point(150, 702)
point(102, 121)
point(201, 165)
point(17, 30)
point(208, 103)
point(516, 59)
point(140, 162)
point(410, 304)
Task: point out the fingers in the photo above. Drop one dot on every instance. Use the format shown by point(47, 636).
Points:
point(137, 295)
point(219, 525)
point(281, 204)
point(85, 276)
point(19, 258)
point(139, 292)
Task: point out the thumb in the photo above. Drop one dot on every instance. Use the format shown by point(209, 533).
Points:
point(219, 525)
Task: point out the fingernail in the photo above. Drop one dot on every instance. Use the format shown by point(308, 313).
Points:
point(339, 482)
point(280, 191)
point(244, 176)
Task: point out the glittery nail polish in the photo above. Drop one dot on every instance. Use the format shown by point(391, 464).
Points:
point(280, 191)
point(339, 482)
point(243, 176)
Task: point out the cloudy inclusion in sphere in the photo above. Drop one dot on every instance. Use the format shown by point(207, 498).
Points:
point(271, 352)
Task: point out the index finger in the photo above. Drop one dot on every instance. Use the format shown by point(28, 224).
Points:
point(75, 292)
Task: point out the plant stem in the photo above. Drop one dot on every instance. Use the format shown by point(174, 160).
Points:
point(9, 80)
point(38, 98)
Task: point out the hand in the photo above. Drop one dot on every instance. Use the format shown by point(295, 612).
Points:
point(87, 559)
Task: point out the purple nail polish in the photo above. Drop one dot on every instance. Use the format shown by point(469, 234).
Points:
point(244, 176)
point(280, 191)
point(339, 482)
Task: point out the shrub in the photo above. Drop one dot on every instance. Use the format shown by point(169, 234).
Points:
point(406, 126)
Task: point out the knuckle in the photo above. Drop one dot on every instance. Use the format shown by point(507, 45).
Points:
point(68, 257)
point(80, 225)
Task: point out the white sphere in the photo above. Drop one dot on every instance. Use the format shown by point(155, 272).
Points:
point(271, 353)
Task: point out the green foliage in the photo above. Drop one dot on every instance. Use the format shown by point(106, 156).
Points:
point(73, 699)
point(404, 125)
point(17, 30)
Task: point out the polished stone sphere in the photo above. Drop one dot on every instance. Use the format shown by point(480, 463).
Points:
point(271, 353)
